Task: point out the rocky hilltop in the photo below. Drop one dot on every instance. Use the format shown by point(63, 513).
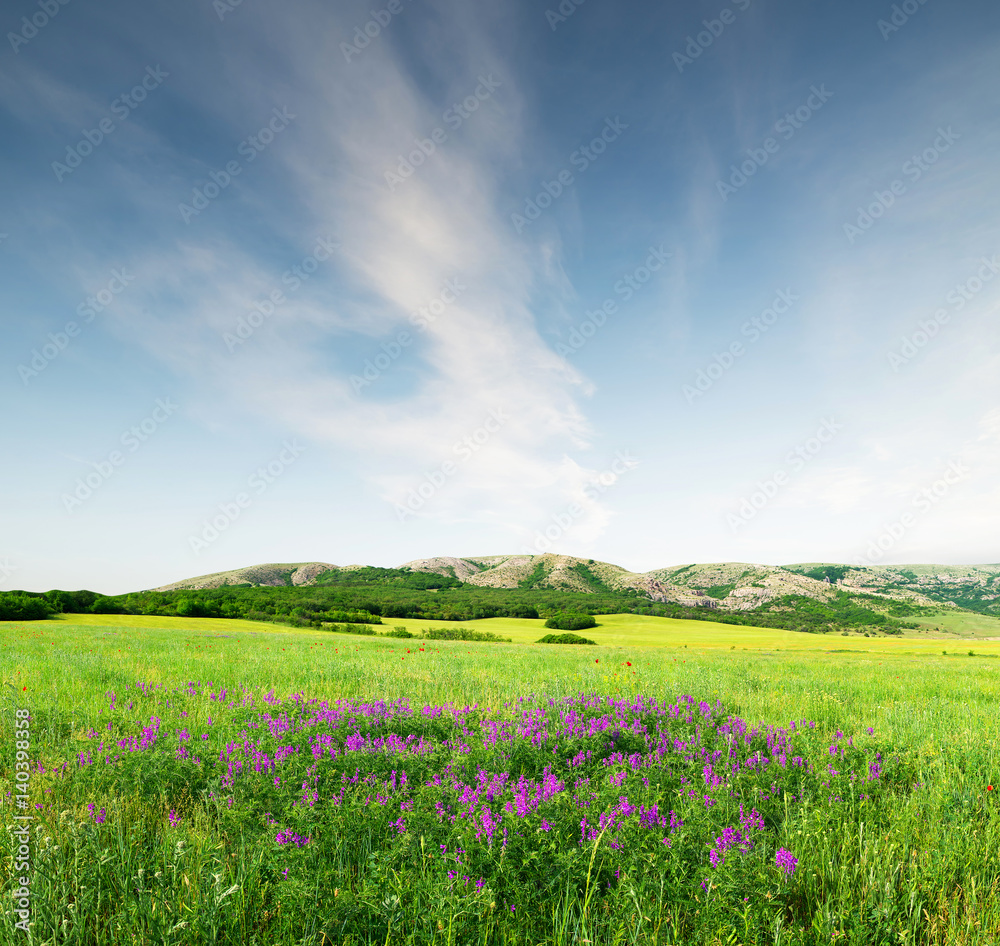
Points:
point(296, 573)
point(729, 586)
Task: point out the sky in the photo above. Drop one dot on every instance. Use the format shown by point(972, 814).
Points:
point(364, 283)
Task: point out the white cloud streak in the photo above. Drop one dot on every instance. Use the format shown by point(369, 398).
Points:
point(398, 249)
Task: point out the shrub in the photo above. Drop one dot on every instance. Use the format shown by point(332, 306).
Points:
point(399, 632)
point(352, 617)
point(361, 629)
point(565, 639)
point(461, 634)
point(570, 621)
point(18, 606)
point(522, 611)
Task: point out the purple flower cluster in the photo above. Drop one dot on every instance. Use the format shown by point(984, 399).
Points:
point(290, 837)
point(612, 766)
point(786, 861)
point(739, 838)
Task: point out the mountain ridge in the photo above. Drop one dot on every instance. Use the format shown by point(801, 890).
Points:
point(727, 586)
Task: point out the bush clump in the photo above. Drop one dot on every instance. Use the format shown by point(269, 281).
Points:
point(363, 629)
point(565, 639)
point(18, 606)
point(570, 621)
point(462, 634)
point(352, 617)
point(399, 632)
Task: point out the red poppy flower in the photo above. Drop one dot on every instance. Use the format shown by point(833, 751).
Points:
point(989, 788)
point(628, 663)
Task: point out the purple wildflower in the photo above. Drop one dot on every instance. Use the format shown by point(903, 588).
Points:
point(290, 837)
point(99, 816)
point(786, 861)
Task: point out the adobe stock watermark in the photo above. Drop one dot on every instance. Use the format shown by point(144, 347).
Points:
point(57, 342)
point(563, 521)
point(258, 483)
point(923, 502)
point(224, 7)
point(21, 831)
point(626, 287)
point(464, 449)
point(364, 34)
point(563, 12)
point(581, 158)
point(122, 108)
point(6, 571)
point(786, 127)
point(914, 168)
point(293, 278)
point(47, 11)
point(958, 298)
point(454, 118)
point(698, 43)
point(249, 148)
point(130, 440)
point(901, 14)
point(752, 329)
point(375, 367)
point(795, 463)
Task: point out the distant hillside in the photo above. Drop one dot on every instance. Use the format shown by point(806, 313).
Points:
point(296, 573)
point(724, 586)
point(974, 587)
point(732, 586)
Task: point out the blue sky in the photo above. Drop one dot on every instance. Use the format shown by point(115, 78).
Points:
point(653, 284)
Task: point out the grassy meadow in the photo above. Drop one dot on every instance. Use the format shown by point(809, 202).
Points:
point(204, 780)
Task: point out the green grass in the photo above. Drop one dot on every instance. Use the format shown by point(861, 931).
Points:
point(915, 861)
point(637, 630)
point(955, 623)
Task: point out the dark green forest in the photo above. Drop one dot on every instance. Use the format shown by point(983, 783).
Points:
point(374, 595)
point(570, 621)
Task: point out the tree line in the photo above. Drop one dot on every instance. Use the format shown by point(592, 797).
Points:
point(396, 593)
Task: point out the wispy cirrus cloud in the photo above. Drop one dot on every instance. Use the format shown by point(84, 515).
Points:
point(398, 247)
